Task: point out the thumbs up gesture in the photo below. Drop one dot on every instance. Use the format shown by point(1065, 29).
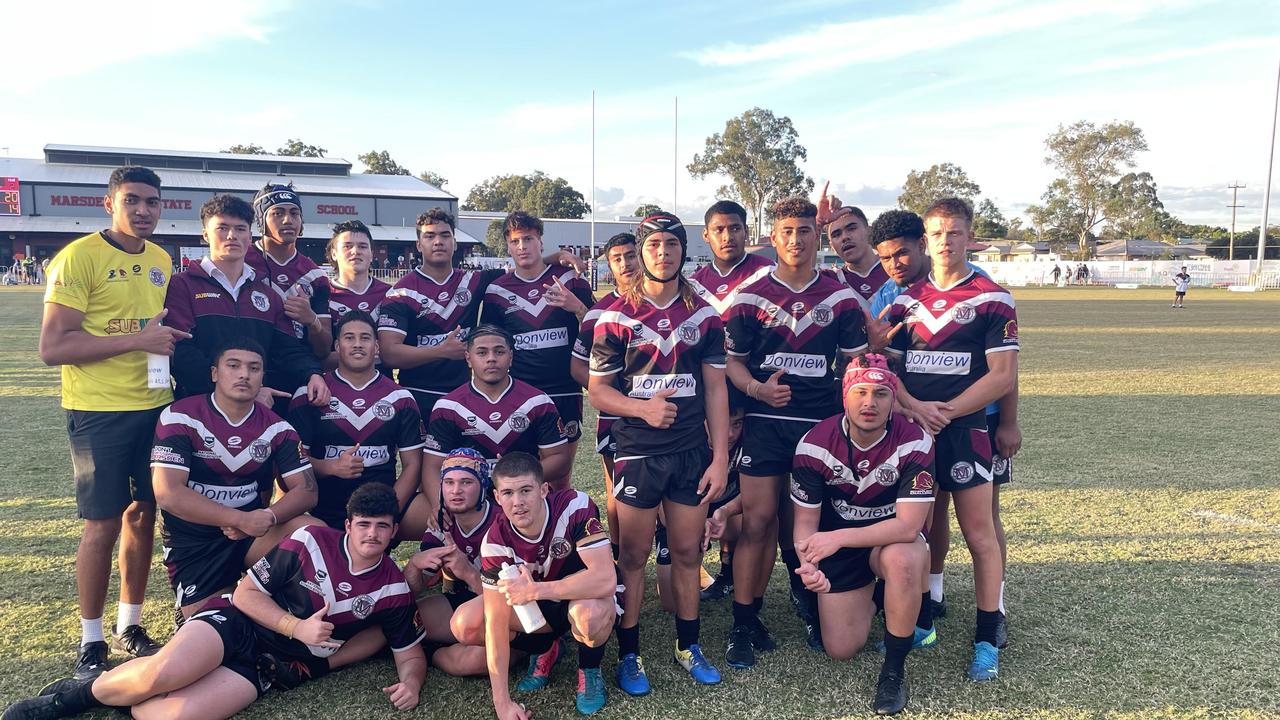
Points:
point(773, 391)
point(348, 465)
point(657, 411)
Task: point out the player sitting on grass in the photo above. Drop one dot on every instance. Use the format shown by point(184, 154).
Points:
point(228, 655)
point(862, 486)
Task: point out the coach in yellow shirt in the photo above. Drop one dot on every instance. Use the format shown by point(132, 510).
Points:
point(102, 314)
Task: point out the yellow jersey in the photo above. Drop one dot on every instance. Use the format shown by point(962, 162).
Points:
point(118, 292)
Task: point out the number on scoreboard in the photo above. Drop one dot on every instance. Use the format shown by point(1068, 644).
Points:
point(10, 198)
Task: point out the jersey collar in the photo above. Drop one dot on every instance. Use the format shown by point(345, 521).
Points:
point(367, 286)
point(958, 283)
point(735, 266)
point(844, 428)
point(261, 246)
point(346, 555)
point(511, 382)
point(546, 522)
point(243, 420)
point(488, 508)
point(535, 278)
point(447, 278)
point(816, 277)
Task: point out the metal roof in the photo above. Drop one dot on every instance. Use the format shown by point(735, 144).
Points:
point(103, 150)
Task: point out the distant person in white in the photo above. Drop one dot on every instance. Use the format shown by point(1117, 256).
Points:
point(1181, 282)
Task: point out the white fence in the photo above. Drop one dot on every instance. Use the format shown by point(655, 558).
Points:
point(1204, 273)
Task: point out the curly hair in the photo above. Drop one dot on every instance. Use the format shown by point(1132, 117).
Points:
point(795, 207)
point(433, 216)
point(894, 224)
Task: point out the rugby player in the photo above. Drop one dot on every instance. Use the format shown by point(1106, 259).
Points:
point(657, 360)
point(494, 413)
point(1181, 282)
point(351, 251)
point(898, 237)
point(310, 594)
point(566, 569)
point(103, 312)
point(785, 334)
point(213, 462)
point(958, 346)
point(862, 487)
point(221, 298)
point(847, 229)
point(369, 423)
point(731, 266)
point(542, 307)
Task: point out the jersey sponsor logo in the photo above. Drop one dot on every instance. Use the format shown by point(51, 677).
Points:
point(156, 276)
point(431, 340)
point(162, 454)
point(887, 475)
point(357, 403)
point(362, 607)
point(938, 362)
point(962, 472)
point(207, 296)
point(370, 454)
point(519, 422)
point(646, 386)
point(802, 364)
point(722, 289)
point(797, 308)
point(745, 461)
point(855, 513)
point(939, 303)
point(230, 496)
point(260, 301)
point(560, 548)
point(432, 442)
point(234, 441)
point(664, 324)
point(863, 465)
point(344, 587)
point(444, 295)
point(798, 492)
point(864, 288)
point(124, 326)
point(282, 279)
point(542, 339)
point(387, 321)
point(822, 315)
point(313, 587)
point(363, 305)
point(533, 293)
point(689, 333)
point(922, 483)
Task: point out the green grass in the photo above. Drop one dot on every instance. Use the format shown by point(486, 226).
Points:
point(1144, 541)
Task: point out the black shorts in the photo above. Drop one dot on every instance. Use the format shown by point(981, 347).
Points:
point(239, 640)
point(111, 459)
point(660, 547)
point(197, 572)
point(605, 444)
point(1001, 467)
point(962, 457)
point(569, 407)
point(848, 569)
point(1179, 293)
point(643, 482)
point(770, 445)
point(460, 595)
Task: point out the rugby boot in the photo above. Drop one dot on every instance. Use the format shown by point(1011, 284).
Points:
point(135, 641)
point(891, 693)
point(92, 661)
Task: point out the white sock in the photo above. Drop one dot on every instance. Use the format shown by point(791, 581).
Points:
point(1002, 612)
point(91, 631)
point(935, 587)
point(128, 614)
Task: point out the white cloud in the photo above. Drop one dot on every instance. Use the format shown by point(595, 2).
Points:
point(1174, 55)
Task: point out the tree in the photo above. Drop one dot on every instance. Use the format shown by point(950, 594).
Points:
point(1055, 219)
point(1247, 245)
point(297, 148)
point(250, 149)
point(921, 189)
point(539, 194)
point(494, 240)
point(431, 178)
point(760, 152)
point(1089, 159)
point(1133, 208)
point(647, 209)
point(379, 162)
point(989, 222)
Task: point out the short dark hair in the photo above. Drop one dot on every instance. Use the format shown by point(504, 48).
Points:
point(373, 499)
point(795, 207)
point(858, 211)
point(486, 329)
point(355, 316)
point(725, 207)
point(132, 174)
point(952, 207)
point(240, 343)
point(517, 464)
point(893, 224)
point(520, 220)
point(228, 205)
point(351, 226)
point(433, 216)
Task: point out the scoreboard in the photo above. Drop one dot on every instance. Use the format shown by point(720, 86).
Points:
point(10, 199)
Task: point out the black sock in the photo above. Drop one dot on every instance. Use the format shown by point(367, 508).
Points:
point(80, 699)
point(590, 657)
point(614, 547)
point(533, 643)
point(987, 622)
point(757, 605)
point(628, 641)
point(924, 620)
point(687, 633)
point(895, 653)
point(726, 562)
point(743, 614)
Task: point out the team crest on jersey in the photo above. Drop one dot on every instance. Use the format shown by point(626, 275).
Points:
point(260, 450)
point(362, 607)
point(462, 297)
point(560, 548)
point(519, 422)
point(1011, 331)
point(922, 482)
point(305, 284)
point(156, 277)
point(963, 314)
point(260, 301)
point(822, 315)
point(690, 334)
point(384, 410)
point(962, 472)
point(886, 475)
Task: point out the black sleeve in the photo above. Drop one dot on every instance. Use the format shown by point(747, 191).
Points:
point(291, 359)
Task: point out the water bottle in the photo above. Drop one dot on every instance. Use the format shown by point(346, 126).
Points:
point(157, 371)
point(530, 614)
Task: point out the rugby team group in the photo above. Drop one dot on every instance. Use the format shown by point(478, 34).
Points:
point(292, 428)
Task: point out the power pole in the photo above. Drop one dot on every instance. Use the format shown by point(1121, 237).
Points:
point(1231, 245)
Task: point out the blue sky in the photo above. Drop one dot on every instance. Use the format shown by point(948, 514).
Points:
point(471, 90)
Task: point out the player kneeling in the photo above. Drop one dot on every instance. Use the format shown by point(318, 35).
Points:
point(295, 611)
point(862, 485)
point(564, 568)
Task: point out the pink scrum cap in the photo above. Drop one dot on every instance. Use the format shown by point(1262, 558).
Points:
point(870, 369)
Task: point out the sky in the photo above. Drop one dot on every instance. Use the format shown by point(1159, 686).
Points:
point(874, 89)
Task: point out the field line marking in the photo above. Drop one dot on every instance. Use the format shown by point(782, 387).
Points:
point(1235, 520)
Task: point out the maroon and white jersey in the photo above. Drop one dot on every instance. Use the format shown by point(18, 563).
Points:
point(296, 275)
point(719, 289)
point(857, 486)
point(424, 312)
point(572, 524)
point(582, 351)
point(544, 334)
point(865, 285)
point(522, 418)
point(379, 416)
point(646, 349)
point(343, 300)
point(773, 327)
point(949, 333)
point(311, 568)
point(231, 464)
point(468, 541)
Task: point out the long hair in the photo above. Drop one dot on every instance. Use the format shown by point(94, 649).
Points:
point(635, 294)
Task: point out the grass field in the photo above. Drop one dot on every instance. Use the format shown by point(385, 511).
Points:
point(1143, 523)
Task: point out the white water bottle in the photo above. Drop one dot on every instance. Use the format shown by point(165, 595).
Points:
point(530, 614)
point(157, 371)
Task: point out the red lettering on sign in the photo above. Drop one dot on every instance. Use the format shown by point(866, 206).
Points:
point(337, 210)
point(75, 200)
point(176, 204)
